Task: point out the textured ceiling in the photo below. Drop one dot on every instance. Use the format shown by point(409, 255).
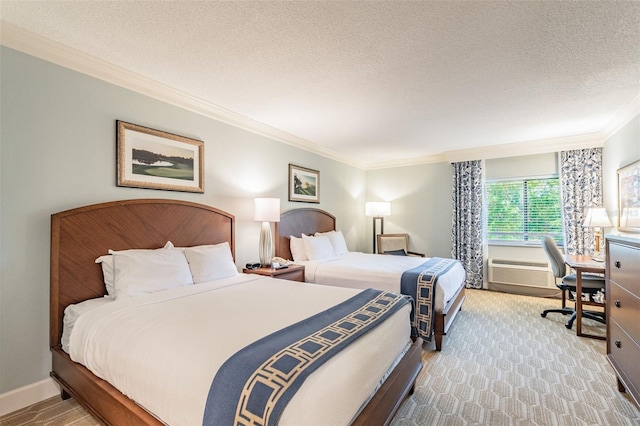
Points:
point(373, 82)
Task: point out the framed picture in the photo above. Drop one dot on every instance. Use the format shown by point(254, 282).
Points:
point(153, 159)
point(629, 197)
point(304, 184)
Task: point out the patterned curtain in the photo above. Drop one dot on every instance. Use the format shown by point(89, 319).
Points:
point(467, 230)
point(581, 186)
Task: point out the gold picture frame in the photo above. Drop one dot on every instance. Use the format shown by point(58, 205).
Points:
point(153, 159)
point(629, 197)
point(304, 184)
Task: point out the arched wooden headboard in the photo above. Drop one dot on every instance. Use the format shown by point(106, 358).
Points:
point(80, 235)
point(296, 222)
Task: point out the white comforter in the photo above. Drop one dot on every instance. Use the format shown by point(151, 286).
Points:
point(363, 270)
point(163, 349)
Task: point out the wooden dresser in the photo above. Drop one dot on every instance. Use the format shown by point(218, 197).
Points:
point(623, 312)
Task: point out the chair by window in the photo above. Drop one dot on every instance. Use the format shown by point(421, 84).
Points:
point(591, 283)
point(397, 244)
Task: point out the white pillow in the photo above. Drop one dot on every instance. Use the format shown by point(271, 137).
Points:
point(208, 263)
point(339, 244)
point(317, 247)
point(298, 252)
point(337, 241)
point(142, 272)
point(106, 262)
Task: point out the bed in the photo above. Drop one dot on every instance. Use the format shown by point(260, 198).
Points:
point(359, 270)
point(80, 236)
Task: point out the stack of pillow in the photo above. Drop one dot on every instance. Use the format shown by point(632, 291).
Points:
point(321, 245)
point(129, 273)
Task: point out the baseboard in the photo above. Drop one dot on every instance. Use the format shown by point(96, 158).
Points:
point(27, 395)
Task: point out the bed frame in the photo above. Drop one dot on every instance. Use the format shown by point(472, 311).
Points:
point(308, 221)
point(79, 236)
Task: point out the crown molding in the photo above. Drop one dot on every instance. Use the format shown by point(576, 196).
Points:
point(624, 116)
point(40, 47)
point(542, 146)
point(516, 149)
point(32, 44)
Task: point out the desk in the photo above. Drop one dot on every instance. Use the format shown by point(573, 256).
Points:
point(580, 264)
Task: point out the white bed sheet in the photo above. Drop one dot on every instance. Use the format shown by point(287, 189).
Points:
point(365, 270)
point(125, 342)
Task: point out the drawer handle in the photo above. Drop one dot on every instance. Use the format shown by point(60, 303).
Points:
point(618, 344)
point(618, 264)
point(617, 303)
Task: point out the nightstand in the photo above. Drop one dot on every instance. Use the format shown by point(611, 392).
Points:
point(292, 273)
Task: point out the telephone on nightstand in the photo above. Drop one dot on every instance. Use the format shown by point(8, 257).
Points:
point(278, 263)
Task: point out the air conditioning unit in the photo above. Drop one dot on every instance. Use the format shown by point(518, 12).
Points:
point(520, 272)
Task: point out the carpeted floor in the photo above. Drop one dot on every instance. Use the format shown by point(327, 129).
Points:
point(501, 364)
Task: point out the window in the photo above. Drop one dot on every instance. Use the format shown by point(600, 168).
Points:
point(524, 210)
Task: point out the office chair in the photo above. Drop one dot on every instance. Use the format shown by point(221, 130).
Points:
point(397, 244)
point(591, 283)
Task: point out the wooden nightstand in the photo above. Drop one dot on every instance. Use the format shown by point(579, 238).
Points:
point(292, 273)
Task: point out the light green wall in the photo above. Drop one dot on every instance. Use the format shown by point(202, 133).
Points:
point(621, 149)
point(420, 199)
point(58, 152)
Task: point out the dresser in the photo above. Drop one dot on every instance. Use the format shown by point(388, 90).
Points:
point(623, 312)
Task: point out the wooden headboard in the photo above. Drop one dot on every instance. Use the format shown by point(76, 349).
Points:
point(81, 235)
point(301, 221)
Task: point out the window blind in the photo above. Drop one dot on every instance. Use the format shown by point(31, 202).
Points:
point(524, 210)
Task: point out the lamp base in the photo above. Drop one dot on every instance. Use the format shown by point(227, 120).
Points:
point(266, 245)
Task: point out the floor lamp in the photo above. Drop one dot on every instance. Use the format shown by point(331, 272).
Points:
point(266, 210)
point(377, 210)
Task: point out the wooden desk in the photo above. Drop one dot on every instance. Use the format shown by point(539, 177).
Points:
point(580, 264)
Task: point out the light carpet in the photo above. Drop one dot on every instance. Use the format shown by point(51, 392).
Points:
point(501, 364)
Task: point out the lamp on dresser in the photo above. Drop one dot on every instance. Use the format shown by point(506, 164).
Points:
point(378, 210)
point(597, 218)
point(266, 210)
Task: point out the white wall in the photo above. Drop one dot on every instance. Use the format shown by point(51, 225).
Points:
point(58, 152)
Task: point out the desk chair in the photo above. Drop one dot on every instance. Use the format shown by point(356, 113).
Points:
point(591, 283)
point(397, 244)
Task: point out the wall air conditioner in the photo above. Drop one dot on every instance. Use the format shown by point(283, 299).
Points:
point(521, 273)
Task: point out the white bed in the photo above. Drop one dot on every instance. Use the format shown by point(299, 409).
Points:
point(147, 354)
point(208, 323)
point(362, 270)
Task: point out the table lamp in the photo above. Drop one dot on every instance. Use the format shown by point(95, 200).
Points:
point(597, 218)
point(377, 210)
point(266, 210)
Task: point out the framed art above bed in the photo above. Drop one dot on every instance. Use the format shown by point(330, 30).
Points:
point(629, 197)
point(304, 184)
point(153, 159)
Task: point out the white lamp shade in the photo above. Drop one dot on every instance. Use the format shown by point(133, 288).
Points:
point(267, 210)
point(377, 208)
point(597, 217)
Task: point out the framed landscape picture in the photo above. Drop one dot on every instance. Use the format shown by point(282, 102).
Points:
point(629, 197)
point(149, 158)
point(304, 184)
